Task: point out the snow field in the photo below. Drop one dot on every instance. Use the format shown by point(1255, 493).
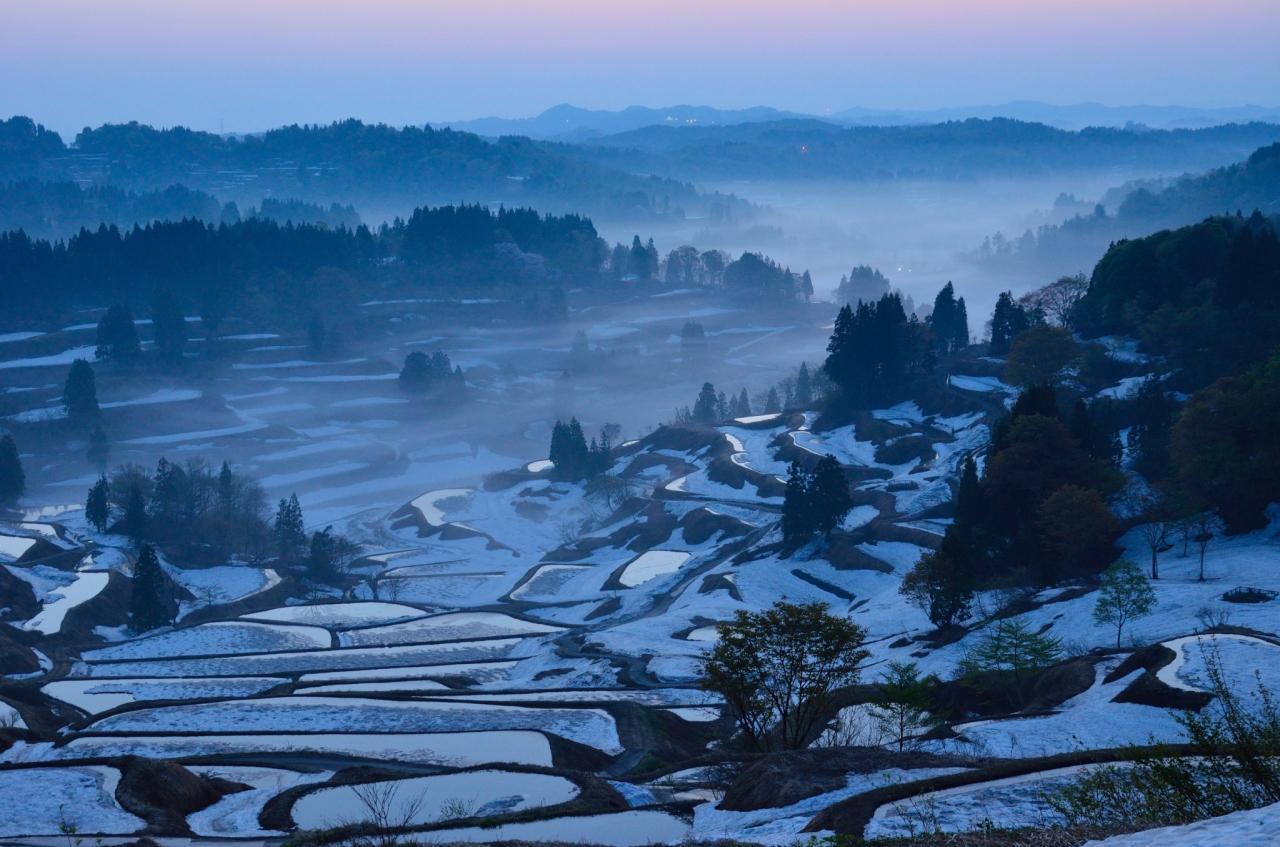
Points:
point(453, 749)
point(339, 615)
point(83, 797)
point(215, 639)
point(449, 627)
point(87, 585)
point(423, 800)
point(592, 727)
point(95, 696)
point(651, 565)
point(347, 659)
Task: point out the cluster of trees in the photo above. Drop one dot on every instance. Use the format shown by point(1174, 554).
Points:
point(639, 261)
point(1037, 516)
point(573, 457)
point(187, 505)
point(323, 555)
point(815, 501)
point(759, 278)
point(862, 284)
point(1205, 297)
point(432, 375)
point(949, 321)
point(875, 352)
point(687, 267)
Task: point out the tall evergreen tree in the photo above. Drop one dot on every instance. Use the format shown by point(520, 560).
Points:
point(13, 480)
point(1008, 321)
point(80, 393)
point(291, 534)
point(797, 516)
point(117, 336)
point(804, 388)
point(771, 403)
point(744, 405)
point(829, 498)
point(150, 602)
point(135, 523)
point(97, 507)
point(706, 408)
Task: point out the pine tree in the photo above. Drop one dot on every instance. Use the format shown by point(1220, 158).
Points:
point(99, 450)
point(804, 388)
point(97, 508)
point(80, 393)
point(771, 403)
point(13, 480)
point(226, 488)
point(744, 405)
point(135, 523)
point(797, 514)
point(117, 336)
point(291, 534)
point(150, 605)
point(829, 498)
point(706, 407)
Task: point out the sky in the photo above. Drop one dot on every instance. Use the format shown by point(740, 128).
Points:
point(246, 65)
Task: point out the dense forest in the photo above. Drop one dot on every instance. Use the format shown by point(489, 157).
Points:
point(812, 149)
point(53, 210)
point(346, 162)
point(1204, 300)
point(1140, 209)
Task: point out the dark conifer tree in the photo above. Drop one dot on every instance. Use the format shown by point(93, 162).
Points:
point(80, 394)
point(150, 604)
point(117, 336)
point(291, 534)
point(13, 480)
point(804, 388)
point(797, 515)
point(97, 508)
point(135, 523)
point(744, 405)
point(706, 408)
point(771, 403)
point(829, 498)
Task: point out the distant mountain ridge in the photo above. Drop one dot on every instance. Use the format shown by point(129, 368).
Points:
point(566, 122)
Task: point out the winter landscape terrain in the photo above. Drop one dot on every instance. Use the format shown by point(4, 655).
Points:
point(780, 471)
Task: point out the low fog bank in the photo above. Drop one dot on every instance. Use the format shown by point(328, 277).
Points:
point(921, 234)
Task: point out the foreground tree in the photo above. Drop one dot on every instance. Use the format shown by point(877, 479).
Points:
point(940, 587)
point(778, 669)
point(13, 480)
point(1125, 594)
point(1010, 651)
point(901, 704)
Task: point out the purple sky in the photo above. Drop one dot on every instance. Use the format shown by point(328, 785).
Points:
point(252, 64)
